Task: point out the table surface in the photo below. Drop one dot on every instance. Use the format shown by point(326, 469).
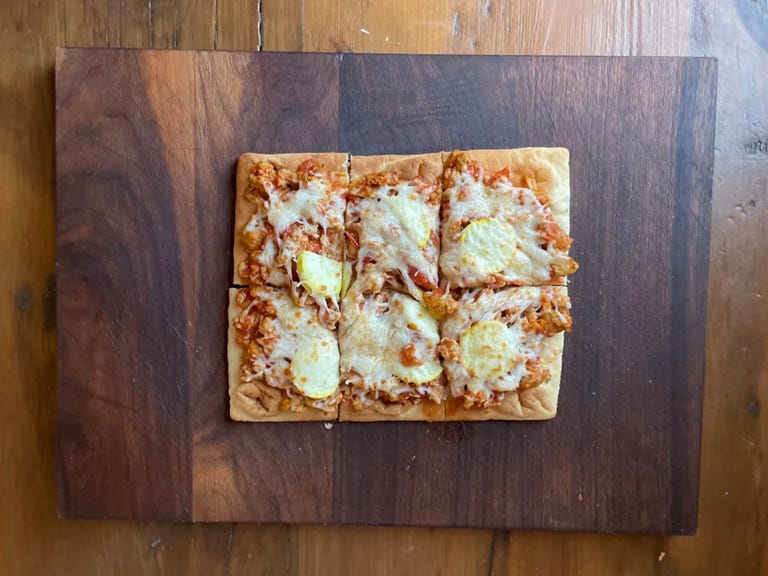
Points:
point(733, 517)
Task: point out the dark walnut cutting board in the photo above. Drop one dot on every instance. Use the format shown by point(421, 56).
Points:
point(146, 147)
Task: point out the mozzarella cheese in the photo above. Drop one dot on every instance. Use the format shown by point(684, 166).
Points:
point(425, 372)
point(413, 315)
point(303, 352)
point(253, 225)
point(308, 227)
point(412, 213)
point(321, 275)
point(488, 349)
point(311, 203)
point(416, 318)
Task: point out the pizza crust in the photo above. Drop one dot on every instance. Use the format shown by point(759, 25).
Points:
point(383, 411)
point(244, 209)
point(407, 167)
point(242, 405)
point(548, 167)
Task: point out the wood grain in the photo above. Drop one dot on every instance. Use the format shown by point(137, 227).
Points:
point(115, 23)
point(533, 103)
point(237, 25)
point(27, 285)
point(123, 443)
point(197, 113)
point(734, 498)
point(382, 552)
point(236, 467)
point(732, 534)
point(613, 27)
point(631, 385)
point(32, 539)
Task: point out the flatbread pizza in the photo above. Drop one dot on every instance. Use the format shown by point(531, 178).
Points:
point(421, 287)
point(392, 222)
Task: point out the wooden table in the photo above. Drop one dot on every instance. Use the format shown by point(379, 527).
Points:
point(733, 522)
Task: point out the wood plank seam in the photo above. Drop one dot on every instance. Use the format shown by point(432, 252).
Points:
point(261, 27)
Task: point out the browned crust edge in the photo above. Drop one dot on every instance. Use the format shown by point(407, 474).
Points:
point(424, 410)
point(407, 167)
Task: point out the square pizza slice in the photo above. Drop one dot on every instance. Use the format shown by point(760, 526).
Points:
point(393, 224)
point(502, 353)
point(506, 218)
point(283, 361)
point(289, 225)
point(390, 367)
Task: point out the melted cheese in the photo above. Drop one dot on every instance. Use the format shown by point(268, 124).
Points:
point(416, 318)
point(363, 339)
point(413, 315)
point(372, 335)
point(425, 372)
point(295, 217)
point(489, 349)
point(395, 233)
point(413, 215)
point(312, 203)
point(254, 224)
point(512, 248)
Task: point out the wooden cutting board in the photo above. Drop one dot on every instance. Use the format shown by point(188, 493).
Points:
point(146, 147)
